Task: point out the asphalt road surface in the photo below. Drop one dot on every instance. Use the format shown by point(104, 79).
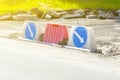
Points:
point(21, 61)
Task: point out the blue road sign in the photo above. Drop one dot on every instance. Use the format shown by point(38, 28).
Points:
point(79, 37)
point(30, 31)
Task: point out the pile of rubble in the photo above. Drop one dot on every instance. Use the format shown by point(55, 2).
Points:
point(21, 15)
point(35, 14)
point(90, 14)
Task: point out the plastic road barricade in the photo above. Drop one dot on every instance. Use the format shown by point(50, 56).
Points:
point(55, 33)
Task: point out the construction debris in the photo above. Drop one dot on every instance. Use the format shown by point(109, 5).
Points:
point(37, 12)
point(6, 16)
point(22, 17)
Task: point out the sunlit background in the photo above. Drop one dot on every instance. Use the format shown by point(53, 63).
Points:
point(15, 5)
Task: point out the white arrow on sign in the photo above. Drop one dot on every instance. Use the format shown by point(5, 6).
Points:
point(79, 37)
point(31, 33)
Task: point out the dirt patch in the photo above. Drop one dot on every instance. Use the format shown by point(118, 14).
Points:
point(14, 35)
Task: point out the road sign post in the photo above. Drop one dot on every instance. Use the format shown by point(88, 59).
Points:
point(79, 37)
point(82, 37)
point(32, 30)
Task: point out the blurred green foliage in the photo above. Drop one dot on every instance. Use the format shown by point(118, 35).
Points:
point(15, 5)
